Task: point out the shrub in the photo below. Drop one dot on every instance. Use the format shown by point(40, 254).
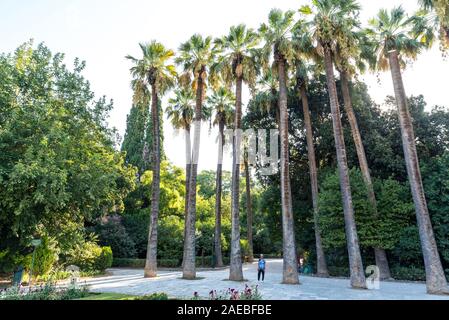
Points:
point(45, 292)
point(104, 261)
point(408, 273)
point(249, 293)
point(128, 263)
point(154, 296)
point(204, 262)
point(169, 263)
point(91, 257)
point(114, 234)
point(45, 257)
point(164, 263)
point(338, 271)
point(54, 275)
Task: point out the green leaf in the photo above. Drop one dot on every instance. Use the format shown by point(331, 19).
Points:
point(305, 10)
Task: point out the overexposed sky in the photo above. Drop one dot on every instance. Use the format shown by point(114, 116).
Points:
point(103, 32)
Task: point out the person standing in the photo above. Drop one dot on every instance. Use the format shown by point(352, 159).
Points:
point(261, 268)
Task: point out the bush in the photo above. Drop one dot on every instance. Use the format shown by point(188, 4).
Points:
point(47, 292)
point(204, 262)
point(408, 273)
point(249, 293)
point(128, 263)
point(104, 261)
point(154, 296)
point(169, 263)
point(54, 275)
point(90, 257)
point(140, 263)
point(338, 271)
point(114, 234)
point(45, 258)
point(164, 263)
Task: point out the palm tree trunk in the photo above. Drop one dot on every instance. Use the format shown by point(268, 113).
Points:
point(358, 279)
point(446, 35)
point(290, 274)
point(380, 254)
point(219, 188)
point(322, 270)
point(249, 213)
point(236, 271)
point(435, 278)
point(188, 172)
point(189, 268)
point(151, 261)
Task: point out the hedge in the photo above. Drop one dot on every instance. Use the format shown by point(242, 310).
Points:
point(164, 263)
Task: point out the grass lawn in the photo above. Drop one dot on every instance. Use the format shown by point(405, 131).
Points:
point(109, 296)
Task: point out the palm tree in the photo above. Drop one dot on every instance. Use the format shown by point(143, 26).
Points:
point(305, 51)
point(195, 56)
point(332, 20)
point(277, 42)
point(439, 10)
point(301, 84)
point(222, 102)
point(181, 112)
point(352, 51)
point(395, 37)
point(237, 64)
point(153, 73)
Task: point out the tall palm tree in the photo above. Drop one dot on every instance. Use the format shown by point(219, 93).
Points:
point(439, 13)
point(222, 103)
point(181, 112)
point(301, 84)
point(195, 56)
point(306, 51)
point(331, 20)
point(237, 64)
point(278, 44)
point(153, 73)
point(395, 37)
point(351, 54)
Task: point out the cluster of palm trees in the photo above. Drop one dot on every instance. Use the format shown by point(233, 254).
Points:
point(323, 37)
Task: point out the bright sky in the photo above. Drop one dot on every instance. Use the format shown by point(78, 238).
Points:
point(103, 32)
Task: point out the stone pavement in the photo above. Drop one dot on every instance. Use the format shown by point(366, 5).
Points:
point(129, 281)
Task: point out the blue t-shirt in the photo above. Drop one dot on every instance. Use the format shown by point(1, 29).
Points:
point(262, 264)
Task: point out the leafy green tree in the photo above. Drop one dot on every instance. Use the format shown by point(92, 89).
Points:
point(134, 142)
point(112, 233)
point(437, 193)
point(59, 169)
point(153, 74)
point(375, 229)
point(396, 37)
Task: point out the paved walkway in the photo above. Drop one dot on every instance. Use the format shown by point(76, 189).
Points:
point(128, 281)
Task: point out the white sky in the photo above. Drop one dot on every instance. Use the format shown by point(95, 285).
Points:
point(103, 32)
